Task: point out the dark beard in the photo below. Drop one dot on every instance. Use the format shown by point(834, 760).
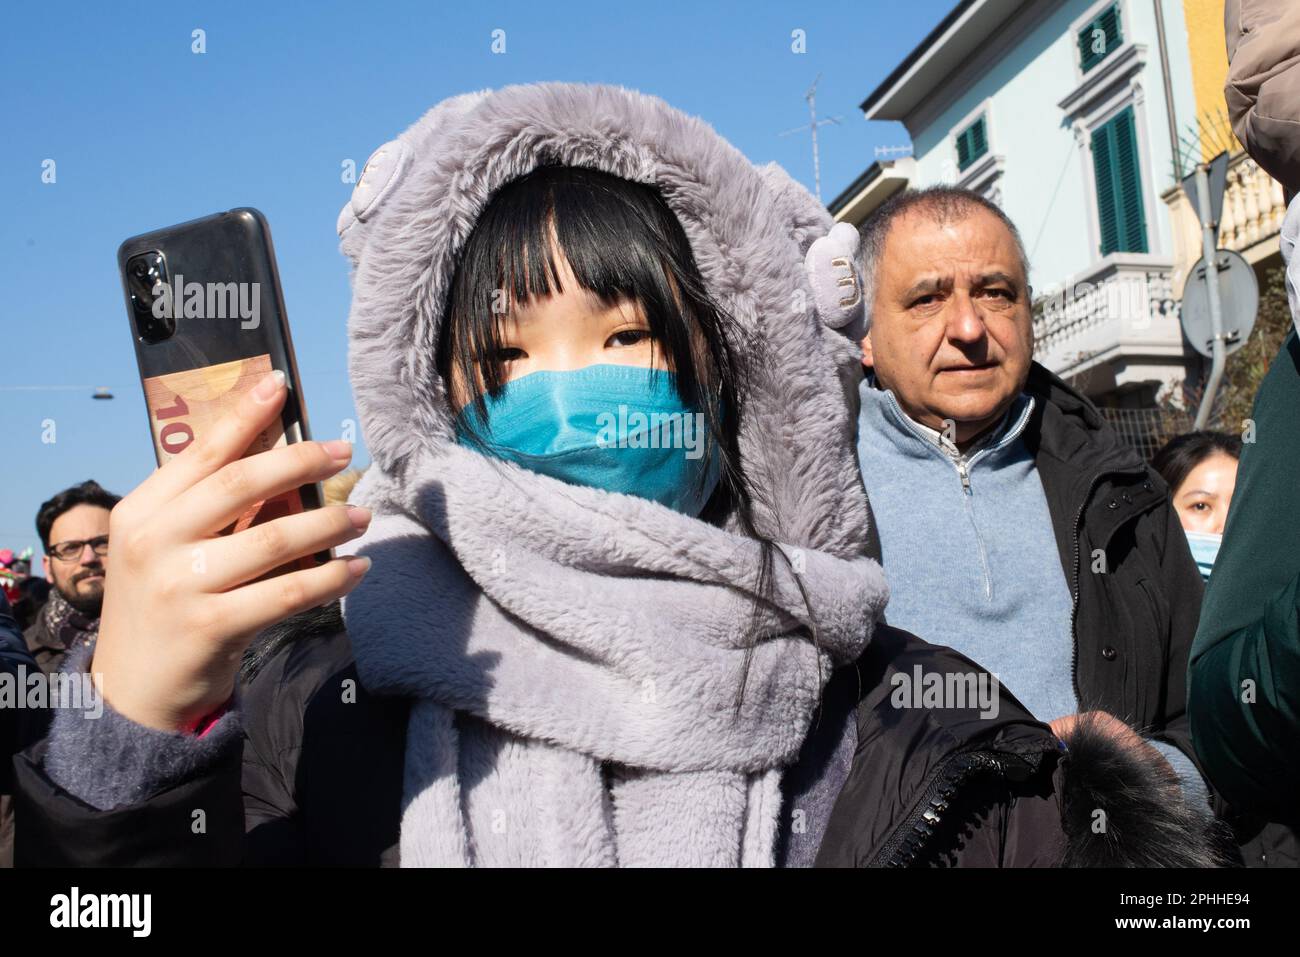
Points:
point(88, 605)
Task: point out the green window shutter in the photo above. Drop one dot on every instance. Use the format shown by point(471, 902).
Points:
point(972, 143)
point(1133, 230)
point(1121, 214)
point(1100, 38)
point(1103, 166)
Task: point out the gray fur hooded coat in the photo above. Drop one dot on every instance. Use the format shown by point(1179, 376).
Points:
point(586, 689)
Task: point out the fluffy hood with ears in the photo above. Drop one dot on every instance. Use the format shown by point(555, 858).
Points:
point(751, 229)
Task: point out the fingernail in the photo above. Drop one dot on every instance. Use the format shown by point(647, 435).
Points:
point(358, 566)
point(359, 517)
point(338, 449)
point(270, 386)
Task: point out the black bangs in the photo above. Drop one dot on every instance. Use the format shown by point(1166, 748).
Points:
point(622, 243)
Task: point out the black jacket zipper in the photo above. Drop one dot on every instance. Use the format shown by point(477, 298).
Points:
point(1074, 586)
point(909, 838)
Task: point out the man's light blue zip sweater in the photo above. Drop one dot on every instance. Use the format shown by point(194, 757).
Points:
point(968, 547)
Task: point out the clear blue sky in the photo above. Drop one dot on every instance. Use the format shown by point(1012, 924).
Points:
point(146, 133)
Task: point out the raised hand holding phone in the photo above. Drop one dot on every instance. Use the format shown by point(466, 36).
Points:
point(183, 601)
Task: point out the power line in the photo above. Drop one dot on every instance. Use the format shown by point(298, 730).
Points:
point(52, 388)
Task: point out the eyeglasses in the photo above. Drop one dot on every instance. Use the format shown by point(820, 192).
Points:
point(71, 551)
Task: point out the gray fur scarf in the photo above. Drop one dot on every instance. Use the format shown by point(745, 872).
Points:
point(588, 689)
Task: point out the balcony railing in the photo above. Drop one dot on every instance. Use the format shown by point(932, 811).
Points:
point(1122, 312)
point(1253, 209)
point(1253, 205)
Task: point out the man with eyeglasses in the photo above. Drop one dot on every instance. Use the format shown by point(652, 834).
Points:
point(73, 527)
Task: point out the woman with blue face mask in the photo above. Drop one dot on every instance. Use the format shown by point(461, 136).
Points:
point(641, 488)
point(1200, 469)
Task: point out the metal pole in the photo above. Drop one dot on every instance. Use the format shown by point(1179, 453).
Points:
point(1209, 253)
point(1170, 115)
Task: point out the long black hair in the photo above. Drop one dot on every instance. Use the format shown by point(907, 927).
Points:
point(1181, 454)
point(623, 243)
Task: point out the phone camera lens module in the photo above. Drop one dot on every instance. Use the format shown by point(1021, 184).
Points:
point(146, 275)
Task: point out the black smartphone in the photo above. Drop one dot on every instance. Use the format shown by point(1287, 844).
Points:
point(208, 323)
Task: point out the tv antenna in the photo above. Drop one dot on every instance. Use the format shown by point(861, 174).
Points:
point(811, 97)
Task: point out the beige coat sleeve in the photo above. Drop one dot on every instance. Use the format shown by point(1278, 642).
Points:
point(1263, 88)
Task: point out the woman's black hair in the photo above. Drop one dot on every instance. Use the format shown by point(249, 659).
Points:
point(1181, 454)
point(623, 243)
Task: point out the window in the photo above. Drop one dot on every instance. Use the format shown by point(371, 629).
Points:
point(972, 143)
point(1119, 186)
point(1100, 37)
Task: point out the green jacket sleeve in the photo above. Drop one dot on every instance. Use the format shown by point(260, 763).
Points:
point(1244, 674)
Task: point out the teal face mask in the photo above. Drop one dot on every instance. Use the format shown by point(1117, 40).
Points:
point(618, 428)
point(1205, 549)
